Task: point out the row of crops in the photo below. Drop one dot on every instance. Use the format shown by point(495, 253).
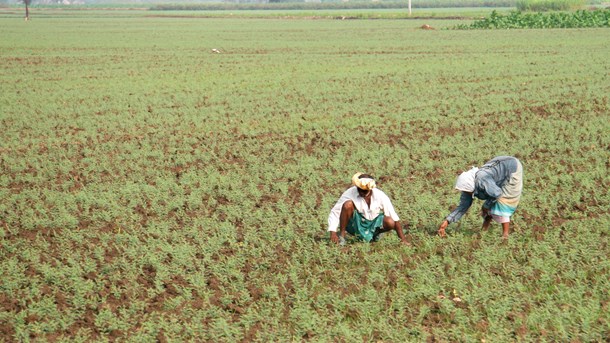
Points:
point(520, 20)
point(152, 190)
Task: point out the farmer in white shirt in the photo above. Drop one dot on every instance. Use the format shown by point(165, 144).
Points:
point(364, 211)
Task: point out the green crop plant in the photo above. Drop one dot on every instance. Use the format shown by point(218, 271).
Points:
point(520, 20)
point(152, 189)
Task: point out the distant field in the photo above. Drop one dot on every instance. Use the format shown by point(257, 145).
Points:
point(417, 13)
point(151, 189)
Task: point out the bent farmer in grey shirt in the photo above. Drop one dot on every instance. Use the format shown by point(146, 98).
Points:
point(499, 182)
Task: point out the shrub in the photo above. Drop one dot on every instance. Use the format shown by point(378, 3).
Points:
point(518, 20)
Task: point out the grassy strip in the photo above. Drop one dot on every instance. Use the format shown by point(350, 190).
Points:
point(549, 5)
point(448, 16)
point(328, 5)
point(464, 13)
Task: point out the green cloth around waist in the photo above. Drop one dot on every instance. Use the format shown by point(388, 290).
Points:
point(363, 228)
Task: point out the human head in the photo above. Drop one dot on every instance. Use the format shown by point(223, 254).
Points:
point(364, 182)
point(465, 182)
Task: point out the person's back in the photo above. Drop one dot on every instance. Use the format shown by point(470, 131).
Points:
point(499, 169)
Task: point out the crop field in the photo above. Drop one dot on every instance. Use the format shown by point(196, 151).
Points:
point(152, 189)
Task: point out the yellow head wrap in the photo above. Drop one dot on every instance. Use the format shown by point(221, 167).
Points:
point(365, 183)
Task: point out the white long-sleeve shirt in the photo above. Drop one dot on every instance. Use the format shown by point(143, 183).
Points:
point(380, 202)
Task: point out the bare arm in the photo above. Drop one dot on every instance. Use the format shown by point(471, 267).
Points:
point(401, 235)
point(441, 229)
point(465, 203)
point(333, 237)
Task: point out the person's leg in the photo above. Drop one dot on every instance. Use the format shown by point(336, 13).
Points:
point(505, 230)
point(486, 222)
point(347, 212)
point(388, 224)
point(505, 222)
point(485, 213)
